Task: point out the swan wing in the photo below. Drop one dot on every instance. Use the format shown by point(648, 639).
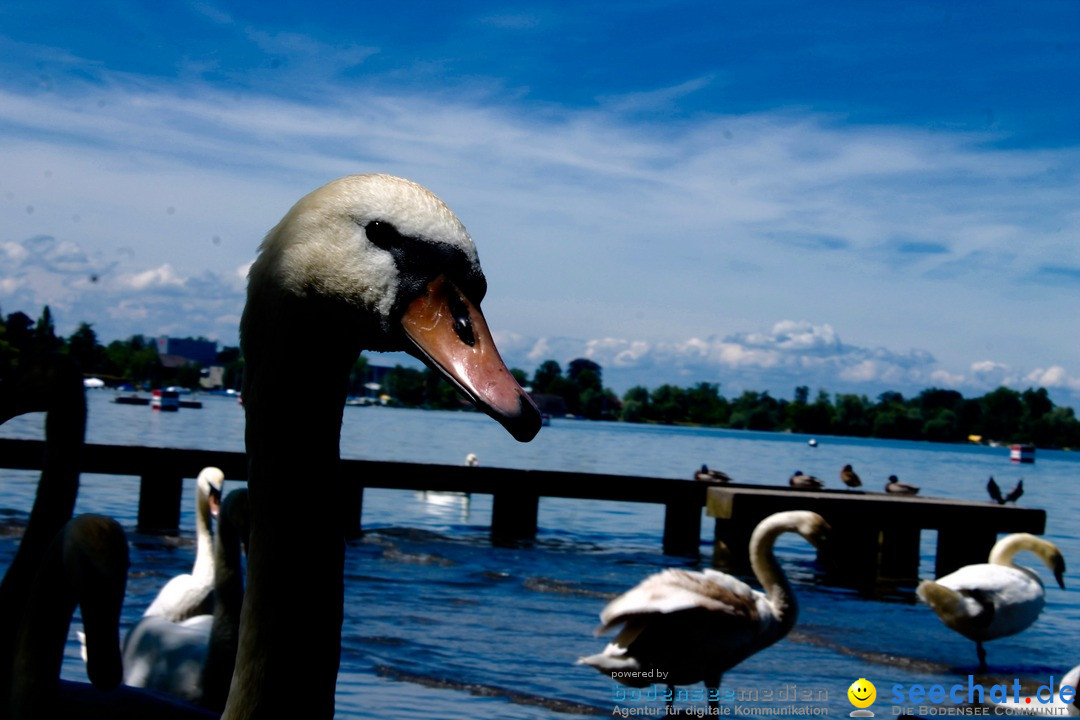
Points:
point(986, 601)
point(184, 596)
point(690, 645)
point(168, 656)
point(1002, 583)
point(673, 591)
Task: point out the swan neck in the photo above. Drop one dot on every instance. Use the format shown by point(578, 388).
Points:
point(65, 429)
point(204, 538)
point(1005, 550)
point(225, 630)
point(41, 635)
point(297, 369)
point(769, 573)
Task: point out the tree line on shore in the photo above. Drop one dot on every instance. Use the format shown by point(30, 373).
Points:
point(938, 415)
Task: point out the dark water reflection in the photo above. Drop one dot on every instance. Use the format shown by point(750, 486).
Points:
point(441, 624)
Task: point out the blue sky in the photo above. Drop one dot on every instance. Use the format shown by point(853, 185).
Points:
point(852, 196)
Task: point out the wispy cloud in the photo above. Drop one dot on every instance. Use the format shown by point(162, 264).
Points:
point(656, 245)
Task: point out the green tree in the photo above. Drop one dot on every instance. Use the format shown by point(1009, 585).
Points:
point(545, 376)
point(405, 385)
point(44, 334)
point(854, 416)
point(756, 411)
point(635, 405)
point(83, 346)
point(706, 406)
point(667, 404)
point(1002, 410)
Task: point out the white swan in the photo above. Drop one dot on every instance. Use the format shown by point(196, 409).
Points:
point(53, 384)
point(193, 658)
point(87, 565)
point(694, 626)
point(997, 598)
point(188, 595)
point(365, 262)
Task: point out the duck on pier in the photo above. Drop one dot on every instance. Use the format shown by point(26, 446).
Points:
point(995, 492)
point(806, 482)
point(896, 487)
point(707, 474)
point(850, 477)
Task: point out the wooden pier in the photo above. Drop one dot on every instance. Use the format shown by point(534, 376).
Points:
point(875, 535)
point(516, 493)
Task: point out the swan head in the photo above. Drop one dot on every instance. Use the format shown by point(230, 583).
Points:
point(812, 527)
point(1004, 549)
point(395, 264)
point(209, 484)
point(1054, 560)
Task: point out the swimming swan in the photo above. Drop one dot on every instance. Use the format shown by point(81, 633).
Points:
point(188, 595)
point(87, 565)
point(193, 658)
point(53, 384)
point(365, 262)
point(696, 625)
point(997, 598)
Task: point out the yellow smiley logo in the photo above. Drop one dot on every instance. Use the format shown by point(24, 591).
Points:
point(862, 693)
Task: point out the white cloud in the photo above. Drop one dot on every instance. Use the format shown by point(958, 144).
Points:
point(661, 243)
point(1053, 377)
point(159, 277)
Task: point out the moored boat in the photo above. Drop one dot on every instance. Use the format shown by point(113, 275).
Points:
point(168, 400)
point(131, 400)
point(1022, 453)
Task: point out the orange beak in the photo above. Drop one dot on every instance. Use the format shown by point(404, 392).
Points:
point(450, 335)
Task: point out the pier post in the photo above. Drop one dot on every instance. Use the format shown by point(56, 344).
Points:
point(513, 516)
point(352, 506)
point(852, 552)
point(682, 529)
point(159, 502)
point(731, 541)
point(959, 546)
point(899, 553)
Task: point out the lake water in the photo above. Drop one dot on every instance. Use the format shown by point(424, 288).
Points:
point(440, 624)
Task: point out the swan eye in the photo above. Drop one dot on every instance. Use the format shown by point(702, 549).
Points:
point(462, 323)
point(383, 234)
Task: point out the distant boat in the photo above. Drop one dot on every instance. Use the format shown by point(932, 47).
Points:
point(1022, 453)
point(165, 400)
point(545, 419)
point(131, 400)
